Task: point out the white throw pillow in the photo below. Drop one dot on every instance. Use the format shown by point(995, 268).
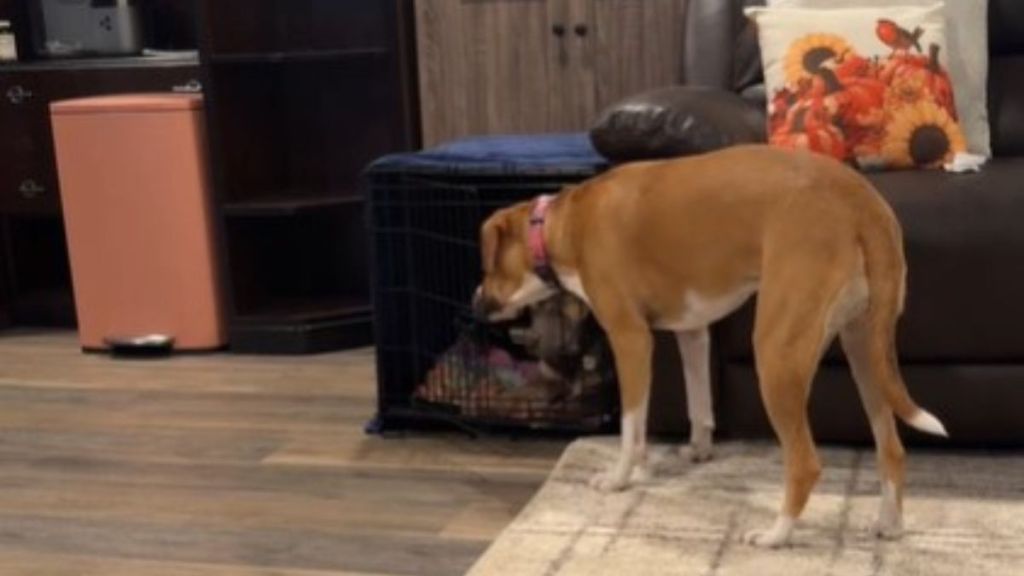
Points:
point(967, 39)
point(869, 86)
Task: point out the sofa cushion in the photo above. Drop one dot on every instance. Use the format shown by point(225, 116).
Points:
point(720, 48)
point(964, 237)
point(676, 121)
point(1006, 27)
point(1006, 105)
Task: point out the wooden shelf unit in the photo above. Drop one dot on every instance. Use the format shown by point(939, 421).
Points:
point(284, 206)
point(301, 96)
point(299, 56)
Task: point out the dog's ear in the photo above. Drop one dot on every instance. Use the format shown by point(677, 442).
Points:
point(490, 239)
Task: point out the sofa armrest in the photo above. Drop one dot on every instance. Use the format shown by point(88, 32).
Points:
point(676, 121)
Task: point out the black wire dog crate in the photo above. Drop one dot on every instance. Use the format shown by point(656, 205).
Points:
point(550, 370)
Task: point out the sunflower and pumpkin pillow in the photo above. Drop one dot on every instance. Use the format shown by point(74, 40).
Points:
point(868, 86)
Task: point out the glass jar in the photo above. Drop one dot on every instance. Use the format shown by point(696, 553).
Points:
point(8, 48)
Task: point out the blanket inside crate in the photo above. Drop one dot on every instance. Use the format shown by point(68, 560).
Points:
point(502, 377)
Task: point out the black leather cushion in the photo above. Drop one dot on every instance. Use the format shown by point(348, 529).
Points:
point(1006, 26)
point(1006, 105)
point(748, 70)
point(964, 237)
point(674, 122)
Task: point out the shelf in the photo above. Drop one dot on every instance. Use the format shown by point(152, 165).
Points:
point(51, 308)
point(339, 333)
point(185, 58)
point(306, 311)
point(298, 56)
point(270, 207)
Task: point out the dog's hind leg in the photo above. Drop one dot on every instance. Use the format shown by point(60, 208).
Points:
point(785, 370)
point(790, 334)
point(891, 456)
point(695, 351)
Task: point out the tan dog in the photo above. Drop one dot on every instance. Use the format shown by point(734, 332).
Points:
point(679, 244)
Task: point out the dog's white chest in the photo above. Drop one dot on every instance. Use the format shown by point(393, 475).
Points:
point(700, 311)
point(574, 285)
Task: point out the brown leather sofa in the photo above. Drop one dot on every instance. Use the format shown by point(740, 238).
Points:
point(961, 339)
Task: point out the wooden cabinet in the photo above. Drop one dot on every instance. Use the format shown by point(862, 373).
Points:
point(637, 45)
point(35, 278)
point(521, 66)
point(479, 66)
point(35, 273)
point(302, 95)
point(27, 176)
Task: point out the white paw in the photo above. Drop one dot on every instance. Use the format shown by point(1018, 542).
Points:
point(888, 529)
point(608, 482)
point(642, 473)
point(890, 514)
point(701, 448)
point(775, 537)
point(765, 539)
point(702, 452)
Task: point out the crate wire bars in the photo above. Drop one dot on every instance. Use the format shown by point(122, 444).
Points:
point(435, 364)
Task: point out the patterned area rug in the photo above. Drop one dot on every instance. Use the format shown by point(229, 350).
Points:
point(964, 515)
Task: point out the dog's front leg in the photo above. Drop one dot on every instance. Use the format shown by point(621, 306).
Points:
point(695, 351)
point(633, 350)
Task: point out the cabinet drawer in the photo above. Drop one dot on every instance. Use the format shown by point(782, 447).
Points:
point(28, 185)
point(28, 171)
point(28, 180)
point(103, 81)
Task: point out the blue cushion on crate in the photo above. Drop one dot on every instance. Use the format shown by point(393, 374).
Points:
point(568, 154)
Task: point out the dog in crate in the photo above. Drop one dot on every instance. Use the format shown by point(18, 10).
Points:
point(678, 244)
point(545, 368)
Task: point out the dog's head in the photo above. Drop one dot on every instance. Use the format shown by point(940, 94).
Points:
point(509, 284)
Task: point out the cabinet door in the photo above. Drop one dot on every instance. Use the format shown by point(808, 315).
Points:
point(637, 45)
point(27, 182)
point(484, 66)
point(571, 78)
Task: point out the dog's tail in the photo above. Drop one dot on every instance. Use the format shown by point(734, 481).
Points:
point(882, 243)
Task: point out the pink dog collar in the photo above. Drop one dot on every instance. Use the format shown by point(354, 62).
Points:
point(538, 245)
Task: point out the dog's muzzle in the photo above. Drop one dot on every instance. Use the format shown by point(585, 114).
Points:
point(483, 307)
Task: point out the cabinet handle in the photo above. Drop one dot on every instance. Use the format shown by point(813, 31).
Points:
point(30, 189)
point(193, 86)
point(18, 94)
point(559, 31)
point(581, 30)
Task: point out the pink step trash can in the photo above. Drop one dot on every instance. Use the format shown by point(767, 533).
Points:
point(137, 210)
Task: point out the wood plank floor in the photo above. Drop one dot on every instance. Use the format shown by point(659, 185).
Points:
point(229, 465)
